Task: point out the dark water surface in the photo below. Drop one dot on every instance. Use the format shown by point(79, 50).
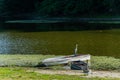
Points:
point(97, 42)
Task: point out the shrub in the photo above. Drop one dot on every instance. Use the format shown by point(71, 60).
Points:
point(105, 63)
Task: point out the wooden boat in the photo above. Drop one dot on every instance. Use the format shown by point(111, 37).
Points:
point(67, 59)
point(76, 62)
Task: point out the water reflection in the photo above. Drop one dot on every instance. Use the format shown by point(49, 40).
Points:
point(12, 44)
point(4, 43)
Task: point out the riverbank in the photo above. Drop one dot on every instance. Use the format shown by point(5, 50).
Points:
point(97, 62)
point(100, 74)
point(20, 73)
point(68, 20)
point(19, 67)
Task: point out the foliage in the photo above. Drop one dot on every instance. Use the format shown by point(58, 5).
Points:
point(79, 8)
point(1, 5)
point(19, 8)
point(57, 8)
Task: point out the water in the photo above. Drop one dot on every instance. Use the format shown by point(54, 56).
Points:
point(12, 42)
point(97, 42)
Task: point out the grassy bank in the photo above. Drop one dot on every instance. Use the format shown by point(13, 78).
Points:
point(15, 67)
point(105, 63)
point(97, 62)
point(22, 74)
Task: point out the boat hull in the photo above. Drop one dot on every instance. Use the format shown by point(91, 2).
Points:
point(66, 59)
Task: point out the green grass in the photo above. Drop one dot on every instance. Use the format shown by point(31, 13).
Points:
point(15, 67)
point(97, 62)
point(17, 73)
point(105, 63)
point(22, 60)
